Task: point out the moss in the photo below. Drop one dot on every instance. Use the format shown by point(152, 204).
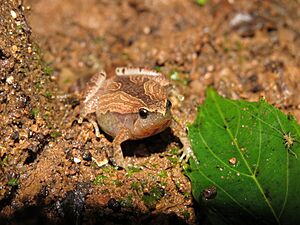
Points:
point(98, 40)
point(186, 195)
point(125, 57)
point(135, 186)
point(151, 198)
point(179, 77)
point(143, 183)
point(46, 116)
point(55, 134)
point(131, 170)
point(3, 161)
point(163, 184)
point(48, 94)
point(186, 215)
point(175, 151)
point(34, 112)
point(118, 183)
point(99, 180)
point(177, 184)
point(158, 68)
point(108, 168)
point(226, 49)
point(127, 202)
point(19, 28)
point(104, 191)
point(48, 70)
point(173, 159)
point(13, 182)
point(201, 2)
point(238, 45)
point(163, 174)
point(38, 86)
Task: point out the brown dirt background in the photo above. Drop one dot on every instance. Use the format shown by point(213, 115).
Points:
point(50, 48)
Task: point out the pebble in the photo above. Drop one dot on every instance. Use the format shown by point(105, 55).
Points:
point(10, 79)
point(13, 14)
point(77, 160)
point(29, 50)
point(14, 48)
point(146, 30)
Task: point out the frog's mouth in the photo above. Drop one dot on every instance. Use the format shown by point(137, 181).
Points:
point(162, 126)
point(159, 127)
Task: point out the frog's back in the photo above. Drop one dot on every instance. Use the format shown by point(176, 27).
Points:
point(129, 93)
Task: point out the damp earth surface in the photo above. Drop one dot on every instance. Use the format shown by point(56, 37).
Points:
point(51, 168)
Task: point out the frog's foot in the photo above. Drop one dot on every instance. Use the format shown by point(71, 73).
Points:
point(187, 151)
point(94, 123)
point(117, 163)
point(116, 157)
point(96, 127)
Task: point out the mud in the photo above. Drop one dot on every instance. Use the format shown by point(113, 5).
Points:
point(49, 164)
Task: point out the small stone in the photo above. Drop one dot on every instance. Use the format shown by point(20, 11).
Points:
point(100, 163)
point(29, 50)
point(15, 136)
point(14, 48)
point(210, 68)
point(146, 30)
point(13, 14)
point(10, 79)
point(76, 160)
point(87, 156)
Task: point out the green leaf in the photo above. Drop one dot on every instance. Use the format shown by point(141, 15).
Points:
point(248, 171)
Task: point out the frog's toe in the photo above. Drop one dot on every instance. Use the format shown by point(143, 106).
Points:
point(187, 153)
point(117, 163)
point(96, 127)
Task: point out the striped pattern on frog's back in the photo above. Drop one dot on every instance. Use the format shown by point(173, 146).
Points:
point(128, 93)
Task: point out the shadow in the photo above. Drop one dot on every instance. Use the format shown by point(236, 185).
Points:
point(46, 214)
point(29, 215)
point(73, 210)
point(150, 145)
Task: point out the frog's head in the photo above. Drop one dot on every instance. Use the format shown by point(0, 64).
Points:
point(155, 114)
point(152, 120)
point(139, 98)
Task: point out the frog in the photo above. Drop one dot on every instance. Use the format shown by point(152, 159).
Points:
point(133, 104)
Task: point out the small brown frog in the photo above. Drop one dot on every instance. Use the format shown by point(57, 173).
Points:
point(131, 105)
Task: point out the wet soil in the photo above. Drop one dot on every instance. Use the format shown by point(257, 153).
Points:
point(49, 164)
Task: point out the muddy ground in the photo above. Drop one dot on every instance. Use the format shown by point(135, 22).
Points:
point(49, 165)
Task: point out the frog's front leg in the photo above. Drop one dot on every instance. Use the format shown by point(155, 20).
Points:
point(187, 151)
point(117, 157)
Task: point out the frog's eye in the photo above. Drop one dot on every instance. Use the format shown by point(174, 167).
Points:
point(169, 104)
point(143, 113)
